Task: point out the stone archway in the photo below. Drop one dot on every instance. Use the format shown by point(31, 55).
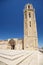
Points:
point(12, 44)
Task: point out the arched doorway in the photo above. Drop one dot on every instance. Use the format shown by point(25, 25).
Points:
point(12, 44)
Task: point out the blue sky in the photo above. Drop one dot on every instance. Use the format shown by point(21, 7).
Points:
point(11, 18)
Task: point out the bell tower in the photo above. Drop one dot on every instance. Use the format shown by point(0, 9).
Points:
point(30, 28)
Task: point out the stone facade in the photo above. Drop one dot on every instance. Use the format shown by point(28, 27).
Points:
point(30, 30)
point(30, 40)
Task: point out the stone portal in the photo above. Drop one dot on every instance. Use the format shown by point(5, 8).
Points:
point(12, 43)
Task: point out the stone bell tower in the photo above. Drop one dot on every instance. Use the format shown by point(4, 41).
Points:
point(30, 28)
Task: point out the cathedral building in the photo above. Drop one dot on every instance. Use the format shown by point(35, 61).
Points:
point(30, 40)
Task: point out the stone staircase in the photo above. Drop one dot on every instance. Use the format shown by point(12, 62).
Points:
point(22, 57)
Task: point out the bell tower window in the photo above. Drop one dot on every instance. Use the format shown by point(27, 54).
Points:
point(28, 6)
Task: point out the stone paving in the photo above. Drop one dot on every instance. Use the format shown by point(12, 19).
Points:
point(22, 57)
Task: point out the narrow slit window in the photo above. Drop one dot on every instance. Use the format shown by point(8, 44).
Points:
point(30, 23)
point(29, 14)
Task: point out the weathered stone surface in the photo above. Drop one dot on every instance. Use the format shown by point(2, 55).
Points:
point(23, 57)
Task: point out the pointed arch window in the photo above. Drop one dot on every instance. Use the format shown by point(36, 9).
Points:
point(29, 6)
